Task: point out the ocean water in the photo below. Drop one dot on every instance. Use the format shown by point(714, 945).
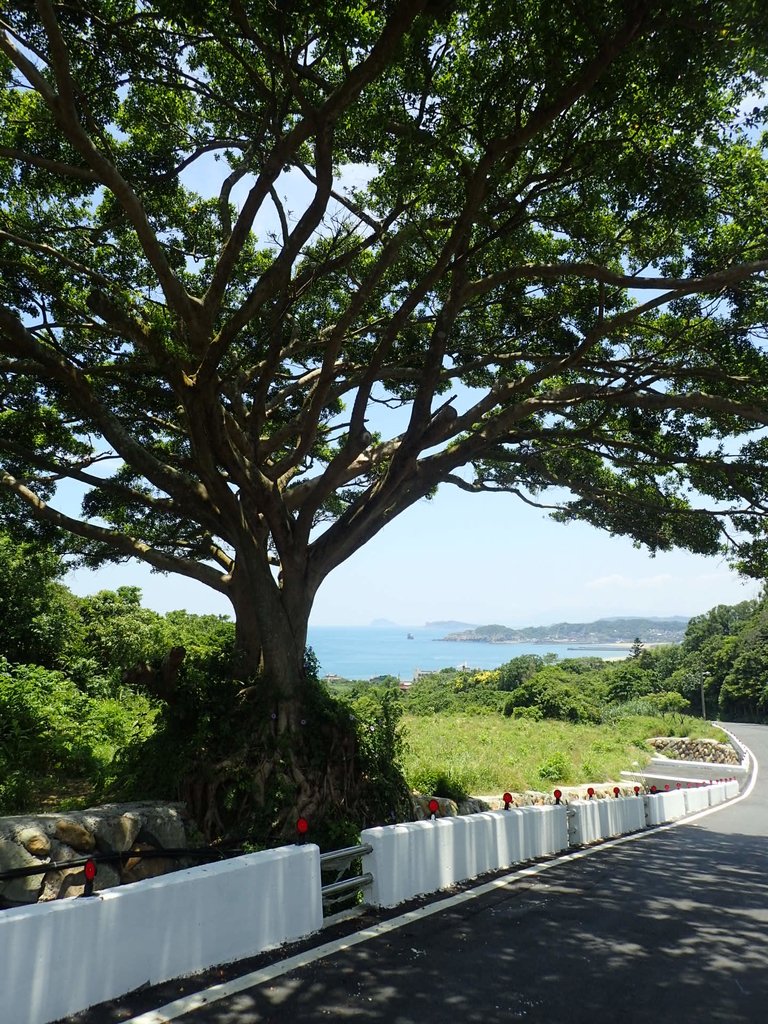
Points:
point(360, 652)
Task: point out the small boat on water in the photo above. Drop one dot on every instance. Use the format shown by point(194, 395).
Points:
point(410, 636)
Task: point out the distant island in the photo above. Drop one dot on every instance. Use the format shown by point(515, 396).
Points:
point(618, 631)
point(449, 624)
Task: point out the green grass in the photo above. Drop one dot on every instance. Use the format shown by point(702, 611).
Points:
point(480, 754)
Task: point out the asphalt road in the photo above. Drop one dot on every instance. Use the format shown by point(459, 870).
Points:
point(670, 927)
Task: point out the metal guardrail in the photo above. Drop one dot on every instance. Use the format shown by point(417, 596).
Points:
point(346, 855)
point(343, 887)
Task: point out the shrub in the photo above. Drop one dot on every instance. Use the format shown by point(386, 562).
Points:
point(378, 714)
point(515, 672)
point(41, 720)
point(216, 747)
point(529, 714)
point(653, 705)
point(433, 781)
point(556, 768)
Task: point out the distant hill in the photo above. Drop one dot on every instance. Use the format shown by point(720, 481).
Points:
point(383, 624)
point(449, 624)
point(612, 631)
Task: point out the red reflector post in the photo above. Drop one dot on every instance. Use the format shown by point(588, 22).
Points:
point(507, 798)
point(558, 794)
point(434, 807)
point(89, 870)
point(302, 828)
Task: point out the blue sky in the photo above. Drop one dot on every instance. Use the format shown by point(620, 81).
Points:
point(480, 559)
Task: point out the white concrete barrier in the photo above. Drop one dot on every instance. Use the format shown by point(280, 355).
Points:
point(545, 830)
point(61, 957)
point(420, 857)
point(701, 771)
point(696, 798)
point(741, 750)
point(717, 794)
point(592, 820)
point(661, 807)
point(661, 771)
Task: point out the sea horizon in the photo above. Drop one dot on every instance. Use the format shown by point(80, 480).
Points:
point(364, 652)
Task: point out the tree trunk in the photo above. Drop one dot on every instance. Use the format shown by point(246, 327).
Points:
point(280, 748)
point(270, 638)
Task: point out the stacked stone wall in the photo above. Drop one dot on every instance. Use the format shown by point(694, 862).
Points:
point(685, 749)
point(52, 841)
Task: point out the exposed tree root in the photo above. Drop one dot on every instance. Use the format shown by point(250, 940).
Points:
point(285, 772)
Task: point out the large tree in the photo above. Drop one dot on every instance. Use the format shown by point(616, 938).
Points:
point(531, 236)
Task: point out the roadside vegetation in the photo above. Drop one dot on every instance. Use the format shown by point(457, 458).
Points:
point(457, 755)
point(96, 703)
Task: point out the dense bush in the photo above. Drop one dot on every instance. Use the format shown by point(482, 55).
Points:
point(51, 732)
point(203, 751)
point(518, 670)
point(455, 691)
point(378, 714)
point(653, 705)
point(435, 781)
point(202, 722)
point(559, 694)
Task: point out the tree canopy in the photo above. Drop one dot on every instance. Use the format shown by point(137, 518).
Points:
point(38, 619)
point(273, 272)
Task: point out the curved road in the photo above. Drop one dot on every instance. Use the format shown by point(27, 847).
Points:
point(670, 927)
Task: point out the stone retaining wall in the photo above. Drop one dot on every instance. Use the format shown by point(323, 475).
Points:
point(37, 840)
point(685, 749)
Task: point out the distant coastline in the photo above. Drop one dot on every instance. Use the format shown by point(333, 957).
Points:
point(599, 645)
point(618, 633)
point(384, 648)
point(362, 652)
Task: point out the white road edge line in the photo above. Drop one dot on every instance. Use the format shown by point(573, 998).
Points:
point(187, 1004)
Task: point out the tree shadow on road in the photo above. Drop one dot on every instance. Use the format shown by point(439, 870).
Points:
point(616, 937)
point(670, 928)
